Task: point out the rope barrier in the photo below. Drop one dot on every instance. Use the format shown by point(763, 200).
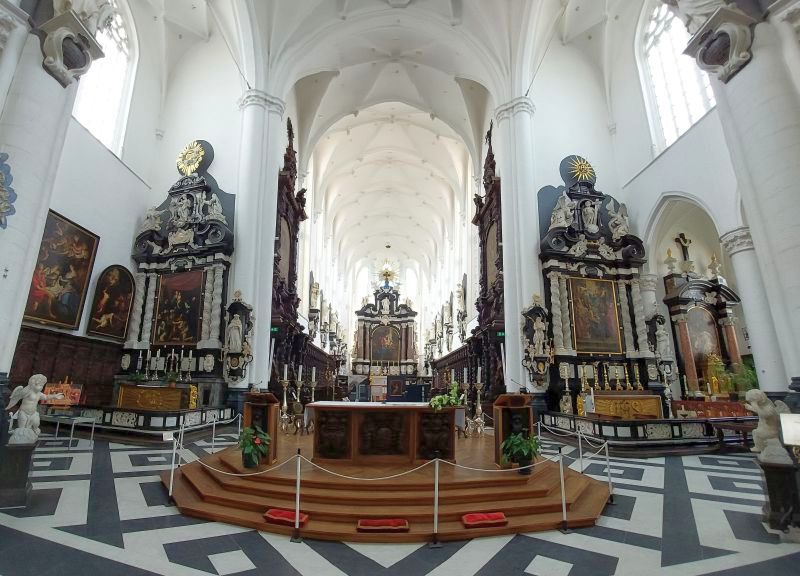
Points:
point(501, 469)
point(592, 444)
point(204, 465)
point(315, 465)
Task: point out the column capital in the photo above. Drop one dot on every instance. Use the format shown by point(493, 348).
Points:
point(513, 107)
point(737, 240)
point(255, 97)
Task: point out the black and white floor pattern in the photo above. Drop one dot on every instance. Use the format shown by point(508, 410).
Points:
point(102, 510)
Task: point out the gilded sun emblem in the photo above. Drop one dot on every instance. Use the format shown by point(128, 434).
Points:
point(581, 169)
point(190, 158)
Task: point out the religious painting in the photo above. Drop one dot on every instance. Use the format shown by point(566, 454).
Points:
point(71, 392)
point(179, 304)
point(703, 336)
point(61, 276)
point(111, 305)
point(385, 344)
point(595, 324)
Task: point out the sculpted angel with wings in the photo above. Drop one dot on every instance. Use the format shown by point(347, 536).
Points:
point(618, 223)
point(28, 398)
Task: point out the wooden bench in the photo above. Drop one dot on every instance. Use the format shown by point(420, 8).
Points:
point(743, 429)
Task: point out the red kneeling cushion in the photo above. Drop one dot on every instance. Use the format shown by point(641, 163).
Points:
point(382, 525)
point(286, 517)
point(484, 519)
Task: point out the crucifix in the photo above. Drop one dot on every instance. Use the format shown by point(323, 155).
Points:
point(684, 242)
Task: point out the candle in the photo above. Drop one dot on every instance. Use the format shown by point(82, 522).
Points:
point(158, 353)
point(313, 373)
point(592, 391)
point(479, 373)
point(181, 354)
point(709, 388)
point(452, 375)
point(465, 375)
point(190, 355)
point(300, 373)
point(148, 353)
point(285, 371)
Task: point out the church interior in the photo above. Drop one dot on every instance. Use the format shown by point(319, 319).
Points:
point(400, 286)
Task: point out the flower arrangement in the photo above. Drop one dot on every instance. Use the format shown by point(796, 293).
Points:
point(452, 398)
point(254, 444)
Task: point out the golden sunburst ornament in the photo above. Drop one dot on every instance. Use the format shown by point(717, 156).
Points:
point(190, 158)
point(581, 170)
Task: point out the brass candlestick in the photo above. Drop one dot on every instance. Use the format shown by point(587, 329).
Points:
point(636, 377)
point(605, 379)
point(627, 380)
point(584, 379)
point(619, 381)
point(313, 386)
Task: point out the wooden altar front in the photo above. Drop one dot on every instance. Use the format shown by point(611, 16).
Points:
point(378, 433)
point(628, 406)
point(161, 398)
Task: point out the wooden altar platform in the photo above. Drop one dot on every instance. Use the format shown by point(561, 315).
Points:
point(335, 504)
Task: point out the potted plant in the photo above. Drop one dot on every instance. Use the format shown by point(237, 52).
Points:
point(521, 449)
point(171, 378)
point(743, 378)
point(452, 398)
point(254, 444)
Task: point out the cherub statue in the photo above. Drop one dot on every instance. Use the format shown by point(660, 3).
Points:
point(618, 223)
point(28, 398)
point(768, 419)
point(563, 213)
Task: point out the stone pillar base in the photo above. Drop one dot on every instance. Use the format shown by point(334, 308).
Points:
point(15, 466)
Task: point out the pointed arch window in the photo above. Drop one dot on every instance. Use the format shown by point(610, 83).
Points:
point(677, 92)
point(103, 98)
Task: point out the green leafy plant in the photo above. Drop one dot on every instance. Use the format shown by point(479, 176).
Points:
point(254, 444)
point(170, 377)
point(743, 377)
point(452, 398)
point(518, 447)
point(737, 378)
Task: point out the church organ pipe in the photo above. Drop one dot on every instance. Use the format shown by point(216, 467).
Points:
point(622, 296)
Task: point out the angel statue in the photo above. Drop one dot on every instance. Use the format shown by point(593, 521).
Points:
point(28, 398)
point(618, 223)
point(767, 435)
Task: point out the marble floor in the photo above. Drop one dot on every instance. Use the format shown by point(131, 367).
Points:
point(102, 510)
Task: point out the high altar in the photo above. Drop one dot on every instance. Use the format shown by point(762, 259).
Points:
point(385, 340)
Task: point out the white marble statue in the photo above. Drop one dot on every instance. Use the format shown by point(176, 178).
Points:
point(768, 431)
point(589, 213)
point(539, 336)
point(152, 220)
point(580, 247)
point(313, 296)
point(324, 315)
point(208, 363)
point(695, 13)
point(668, 398)
point(28, 398)
point(564, 212)
point(662, 342)
point(618, 224)
point(215, 209)
point(233, 335)
point(588, 403)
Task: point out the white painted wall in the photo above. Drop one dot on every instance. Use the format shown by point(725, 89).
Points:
point(94, 189)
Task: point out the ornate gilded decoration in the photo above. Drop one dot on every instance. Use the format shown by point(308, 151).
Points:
point(581, 169)
point(628, 407)
point(189, 159)
point(140, 398)
point(192, 396)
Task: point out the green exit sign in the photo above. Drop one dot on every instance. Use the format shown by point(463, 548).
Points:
point(501, 334)
point(274, 329)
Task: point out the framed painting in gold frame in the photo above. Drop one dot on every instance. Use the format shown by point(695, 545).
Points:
point(595, 321)
point(179, 308)
point(111, 305)
point(385, 344)
point(61, 277)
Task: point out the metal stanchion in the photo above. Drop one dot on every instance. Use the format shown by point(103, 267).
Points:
point(239, 429)
point(172, 467)
point(580, 452)
point(435, 543)
point(296, 535)
point(563, 491)
point(213, 433)
point(539, 428)
point(608, 474)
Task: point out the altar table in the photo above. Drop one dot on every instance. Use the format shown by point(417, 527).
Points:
point(628, 406)
point(377, 432)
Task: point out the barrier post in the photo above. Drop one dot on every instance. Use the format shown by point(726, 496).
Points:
point(580, 452)
point(239, 423)
point(539, 428)
point(435, 543)
point(172, 467)
point(563, 491)
point(608, 474)
point(296, 535)
point(213, 433)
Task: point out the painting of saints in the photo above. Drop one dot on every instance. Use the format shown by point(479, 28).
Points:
point(112, 303)
point(178, 313)
point(61, 276)
point(385, 344)
point(594, 316)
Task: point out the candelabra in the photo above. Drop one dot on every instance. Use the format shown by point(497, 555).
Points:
point(584, 379)
point(627, 380)
point(476, 425)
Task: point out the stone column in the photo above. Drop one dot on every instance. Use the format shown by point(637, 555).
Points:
point(759, 109)
point(149, 304)
point(761, 331)
point(647, 286)
point(135, 324)
point(208, 301)
point(690, 370)
point(731, 342)
point(263, 134)
point(216, 309)
point(566, 321)
point(521, 272)
point(627, 330)
point(638, 320)
point(555, 309)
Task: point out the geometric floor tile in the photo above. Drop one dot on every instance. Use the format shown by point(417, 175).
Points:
point(231, 562)
point(544, 566)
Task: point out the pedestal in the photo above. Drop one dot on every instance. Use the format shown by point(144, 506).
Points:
point(261, 409)
point(15, 467)
point(506, 408)
point(782, 508)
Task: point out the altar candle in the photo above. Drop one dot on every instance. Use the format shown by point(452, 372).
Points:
point(313, 373)
point(465, 376)
point(708, 386)
point(479, 373)
point(148, 353)
point(592, 391)
point(300, 373)
point(285, 371)
point(158, 353)
point(452, 375)
point(190, 355)
point(181, 354)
